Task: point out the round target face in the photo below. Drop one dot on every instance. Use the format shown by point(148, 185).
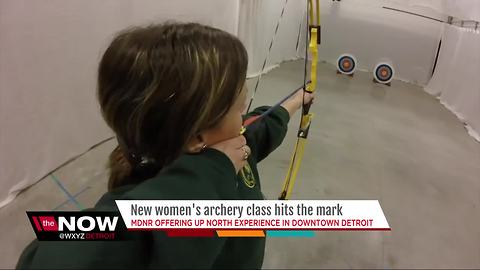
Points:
point(383, 73)
point(346, 64)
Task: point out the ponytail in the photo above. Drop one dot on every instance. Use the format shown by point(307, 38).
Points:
point(120, 169)
point(127, 169)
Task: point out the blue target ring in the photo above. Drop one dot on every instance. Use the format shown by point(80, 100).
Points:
point(346, 64)
point(383, 73)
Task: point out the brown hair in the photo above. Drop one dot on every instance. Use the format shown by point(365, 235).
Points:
point(159, 86)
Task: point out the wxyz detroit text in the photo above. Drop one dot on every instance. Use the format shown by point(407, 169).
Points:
point(87, 236)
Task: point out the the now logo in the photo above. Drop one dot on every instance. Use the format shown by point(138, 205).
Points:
point(59, 225)
point(87, 223)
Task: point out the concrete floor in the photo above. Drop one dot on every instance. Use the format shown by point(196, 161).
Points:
point(396, 144)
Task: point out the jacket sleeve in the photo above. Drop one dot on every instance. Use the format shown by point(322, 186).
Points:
point(266, 134)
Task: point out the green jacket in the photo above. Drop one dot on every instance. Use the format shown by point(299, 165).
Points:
point(206, 176)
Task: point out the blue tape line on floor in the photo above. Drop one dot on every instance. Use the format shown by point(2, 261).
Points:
point(74, 195)
point(70, 197)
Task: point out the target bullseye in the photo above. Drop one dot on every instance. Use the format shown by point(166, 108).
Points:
point(383, 73)
point(346, 64)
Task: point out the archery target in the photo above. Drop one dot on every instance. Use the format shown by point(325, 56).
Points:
point(383, 73)
point(346, 64)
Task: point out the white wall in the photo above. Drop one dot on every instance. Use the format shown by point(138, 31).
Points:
point(257, 21)
point(360, 27)
point(371, 33)
point(463, 9)
point(49, 52)
point(456, 81)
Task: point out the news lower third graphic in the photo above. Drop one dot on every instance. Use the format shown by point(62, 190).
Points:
point(77, 226)
point(211, 218)
point(235, 218)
